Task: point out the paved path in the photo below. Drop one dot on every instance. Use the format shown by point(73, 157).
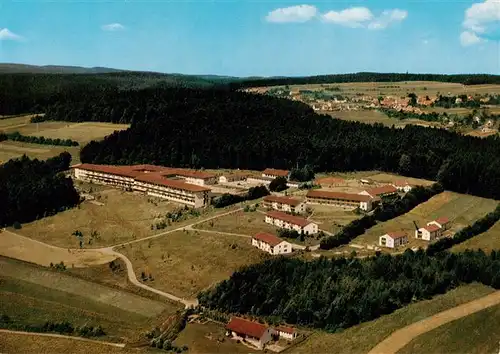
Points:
point(53, 335)
point(400, 338)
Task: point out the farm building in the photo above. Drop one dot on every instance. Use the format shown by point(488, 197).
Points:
point(181, 186)
point(250, 332)
point(344, 200)
point(274, 173)
point(382, 191)
point(233, 177)
point(428, 233)
point(402, 186)
point(393, 239)
point(284, 204)
point(442, 222)
point(285, 332)
point(271, 243)
point(291, 222)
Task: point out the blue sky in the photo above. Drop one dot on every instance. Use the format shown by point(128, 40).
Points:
point(243, 38)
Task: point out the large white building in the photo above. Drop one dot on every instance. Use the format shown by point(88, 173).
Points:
point(271, 244)
point(182, 186)
point(290, 222)
point(253, 333)
point(393, 239)
point(344, 200)
point(284, 204)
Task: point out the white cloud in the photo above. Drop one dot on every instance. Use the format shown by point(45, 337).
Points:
point(469, 38)
point(352, 17)
point(299, 13)
point(480, 20)
point(112, 27)
point(387, 18)
point(6, 35)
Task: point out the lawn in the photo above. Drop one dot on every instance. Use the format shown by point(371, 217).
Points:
point(14, 149)
point(461, 209)
point(331, 218)
point(124, 216)
point(361, 338)
point(487, 241)
point(365, 116)
point(473, 334)
point(246, 223)
point(391, 178)
point(186, 262)
point(17, 343)
point(202, 339)
point(32, 295)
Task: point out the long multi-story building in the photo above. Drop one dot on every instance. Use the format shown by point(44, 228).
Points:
point(290, 222)
point(271, 244)
point(284, 204)
point(178, 185)
point(344, 200)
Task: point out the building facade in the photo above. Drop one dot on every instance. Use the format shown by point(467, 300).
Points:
point(442, 222)
point(343, 200)
point(250, 332)
point(274, 173)
point(428, 233)
point(393, 239)
point(285, 332)
point(285, 204)
point(271, 244)
point(382, 191)
point(290, 222)
point(402, 186)
point(151, 180)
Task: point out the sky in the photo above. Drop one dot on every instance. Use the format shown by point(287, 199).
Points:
point(255, 38)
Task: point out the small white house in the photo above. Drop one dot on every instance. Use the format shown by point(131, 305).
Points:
point(402, 186)
point(290, 222)
point(271, 244)
point(393, 239)
point(442, 222)
point(428, 233)
point(285, 332)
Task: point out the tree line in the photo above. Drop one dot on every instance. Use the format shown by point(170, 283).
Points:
point(16, 136)
point(335, 294)
point(479, 226)
point(229, 199)
point(32, 189)
point(385, 211)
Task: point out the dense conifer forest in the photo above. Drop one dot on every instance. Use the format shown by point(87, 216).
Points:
point(31, 189)
point(339, 293)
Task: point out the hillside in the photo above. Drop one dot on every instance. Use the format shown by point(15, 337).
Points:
point(9, 68)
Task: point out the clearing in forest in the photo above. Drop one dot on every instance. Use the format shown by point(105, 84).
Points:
point(186, 262)
point(361, 338)
point(15, 149)
point(487, 241)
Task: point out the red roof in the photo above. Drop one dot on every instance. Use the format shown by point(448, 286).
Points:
point(275, 172)
point(442, 220)
point(124, 171)
point(338, 196)
point(382, 190)
point(282, 200)
point(401, 183)
point(249, 328)
point(286, 329)
point(295, 220)
point(432, 228)
point(158, 179)
point(329, 180)
point(270, 239)
point(397, 234)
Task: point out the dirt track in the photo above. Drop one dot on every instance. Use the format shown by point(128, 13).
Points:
point(400, 338)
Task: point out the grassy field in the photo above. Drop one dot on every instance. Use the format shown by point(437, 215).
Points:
point(473, 334)
point(16, 343)
point(247, 223)
point(202, 339)
point(124, 216)
point(184, 263)
point(461, 209)
point(32, 295)
point(487, 241)
point(331, 218)
point(14, 149)
point(361, 338)
point(391, 178)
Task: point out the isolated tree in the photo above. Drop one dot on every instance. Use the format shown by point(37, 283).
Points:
point(278, 184)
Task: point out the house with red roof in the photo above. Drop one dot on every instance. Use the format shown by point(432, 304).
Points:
point(403, 186)
point(286, 332)
point(271, 244)
point(285, 204)
point(344, 200)
point(250, 332)
point(382, 191)
point(393, 239)
point(274, 173)
point(428, 233)
point(443, 222)
point(291, 222)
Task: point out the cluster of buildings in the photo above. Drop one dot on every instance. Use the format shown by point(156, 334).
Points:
point(258, 334)
point(433, 230)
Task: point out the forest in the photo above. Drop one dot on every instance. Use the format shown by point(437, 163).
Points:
point(31, 189)
point(335, 294)
point(467, 79)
